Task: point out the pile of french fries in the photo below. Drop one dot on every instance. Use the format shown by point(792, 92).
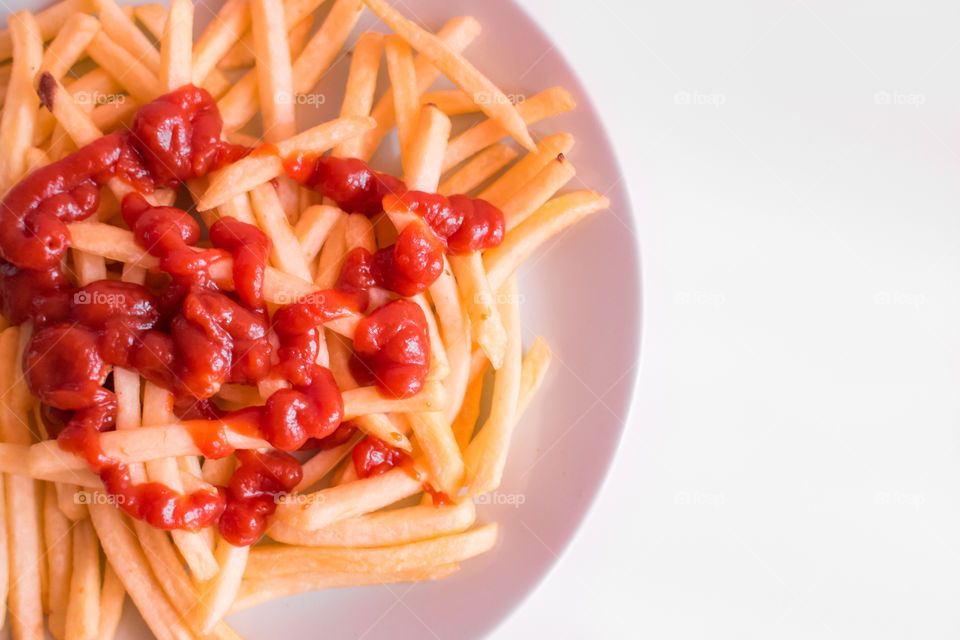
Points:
point(255, 58)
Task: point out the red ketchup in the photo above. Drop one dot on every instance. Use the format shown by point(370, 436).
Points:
point(374, 457)
point(183, 333)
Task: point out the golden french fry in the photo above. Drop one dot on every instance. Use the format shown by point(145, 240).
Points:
point(70, 44)
point(453, 102)
point(440, 451)
point(59, 551)
point(273, 68)
point(224, 30)
point(535, 193)
point(286, 254)
point(485, 323)
point(491, 100)
point(131, 73)
point(49, 22)
point(121, 29)
point(112, 595)
point(217, 596)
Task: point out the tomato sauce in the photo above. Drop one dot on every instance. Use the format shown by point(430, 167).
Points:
point(181, 332)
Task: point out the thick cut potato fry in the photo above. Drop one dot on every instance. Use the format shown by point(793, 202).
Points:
point(273, 560)
point(492, 101)
point(383, 528)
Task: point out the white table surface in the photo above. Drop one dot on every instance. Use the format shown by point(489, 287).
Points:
point(791, 464)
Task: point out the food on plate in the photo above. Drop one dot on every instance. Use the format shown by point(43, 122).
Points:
point(237, 357)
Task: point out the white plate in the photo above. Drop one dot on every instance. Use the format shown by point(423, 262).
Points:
point(581, 292)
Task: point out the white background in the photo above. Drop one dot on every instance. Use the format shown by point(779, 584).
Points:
point(791, 465)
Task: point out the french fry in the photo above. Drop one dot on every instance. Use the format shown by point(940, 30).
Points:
point(224, 30)
point(176, 46)
point(254, 592)
point(440, 451)
point(456, 34)
point(361, 85)
point(543, 105)
point(453, 102)
point(218, 594)
point(158, 409)
point(383, 528)
point(312, 511)
point(70, 44)
point(298, 19)
point(424, 155)
point(286, 254)
point(83, 608)
point(524, 171)
point(59, 552)
point(23, 538)
point(323, 463)
point(534, 368)
point(466, 421)
point(403, 81)
point(131, 73)
point(121, 30)
point(273, 67)
point(478, 169)
point(112, 595)
point(491, 100)
point(485, 323)
point(49, 22)
point(314, 226)
point(20, 106)
point(255, 169)
point(535, 193)
point(124, 554)
point(154, 442)
point(486, 455)
point(455, 330)
point(549, 220)
point(239, 104)
point(274, 560)
point(4, 548)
